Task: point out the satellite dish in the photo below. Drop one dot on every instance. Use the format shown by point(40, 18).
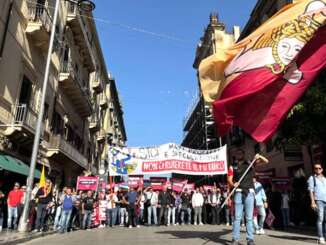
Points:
point(86, 5)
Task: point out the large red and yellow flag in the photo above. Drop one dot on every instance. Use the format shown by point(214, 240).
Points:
point(254, 83)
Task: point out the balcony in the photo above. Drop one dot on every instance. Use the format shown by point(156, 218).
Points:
point(97, 84)
point(39, 25)
point(103, 101)
point(74, 88)
point(82, 35)
point(62, 150)
point(101, 136)
point(94, 124)
point(22, 128)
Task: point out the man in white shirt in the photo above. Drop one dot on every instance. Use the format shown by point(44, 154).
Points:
point(152, 200)
point(285, 208)
point(197, 204)
point(111, 208)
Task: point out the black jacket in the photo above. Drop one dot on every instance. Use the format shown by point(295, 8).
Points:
point(164, 198)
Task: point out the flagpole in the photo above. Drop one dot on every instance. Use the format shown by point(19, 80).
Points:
point(258, 156)
point(23, 225)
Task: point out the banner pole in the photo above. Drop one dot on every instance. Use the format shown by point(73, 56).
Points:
point(110, 178)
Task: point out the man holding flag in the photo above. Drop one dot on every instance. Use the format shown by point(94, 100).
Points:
point(256, 82)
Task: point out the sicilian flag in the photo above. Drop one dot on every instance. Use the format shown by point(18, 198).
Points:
point(256, 82)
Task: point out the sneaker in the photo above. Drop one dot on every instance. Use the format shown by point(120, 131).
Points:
point(262, 232)
point(130, 226)
point(322, 240)
point(201, 224)
point(227, 224)
point(234, 242)
point(175, 224)
point(88, 229)
point(138, 226)
point(122, 225)
point(258, 232)
point(195, 223)
point(250, 242)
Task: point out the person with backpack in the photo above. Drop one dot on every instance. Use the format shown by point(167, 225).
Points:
point(67, 206)
point(317, 190)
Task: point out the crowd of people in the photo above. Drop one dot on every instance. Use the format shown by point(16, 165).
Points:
point(68, 209)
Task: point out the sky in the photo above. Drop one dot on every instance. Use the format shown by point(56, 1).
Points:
point(149, 46)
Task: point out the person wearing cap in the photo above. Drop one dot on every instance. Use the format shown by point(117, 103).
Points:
point(2, 208)
point(14, 199)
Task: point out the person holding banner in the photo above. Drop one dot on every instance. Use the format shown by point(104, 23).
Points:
point(244, 197)
point(87, 210)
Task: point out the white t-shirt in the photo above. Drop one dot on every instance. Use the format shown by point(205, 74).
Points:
point(285, 201)
point(111, 199)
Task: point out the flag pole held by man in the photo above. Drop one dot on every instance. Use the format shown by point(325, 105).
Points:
point(255, 83)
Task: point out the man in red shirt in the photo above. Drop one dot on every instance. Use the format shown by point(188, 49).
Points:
point(14, 200)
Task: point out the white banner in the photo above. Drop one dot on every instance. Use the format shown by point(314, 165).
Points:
point(165, 159)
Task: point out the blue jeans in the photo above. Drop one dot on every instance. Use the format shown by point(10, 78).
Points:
point(262, 215)
point(245, 203)
point(151, 209)
point(64, 220)
point(183, 210)
point(12, 212)
point(286, 217)
point(1, 221)
point(321, 218)
point(111, 216)
point(57, 219)
point(87, 219)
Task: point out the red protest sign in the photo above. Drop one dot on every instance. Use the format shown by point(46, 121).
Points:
point(87, 183)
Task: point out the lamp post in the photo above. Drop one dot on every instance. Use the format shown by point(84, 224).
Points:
point(84, 5)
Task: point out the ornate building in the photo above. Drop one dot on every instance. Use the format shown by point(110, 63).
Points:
point(74, 132)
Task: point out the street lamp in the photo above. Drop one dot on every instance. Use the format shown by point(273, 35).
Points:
point(84, 5)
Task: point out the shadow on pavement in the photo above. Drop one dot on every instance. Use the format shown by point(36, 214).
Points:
point(295, 238)
point(207, 236)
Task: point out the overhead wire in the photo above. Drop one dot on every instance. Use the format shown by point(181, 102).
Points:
point(125, 26)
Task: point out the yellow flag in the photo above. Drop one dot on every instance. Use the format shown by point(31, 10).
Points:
point(42, 179)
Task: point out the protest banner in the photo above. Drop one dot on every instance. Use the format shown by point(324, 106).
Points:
point(167, 159)
point(87, 183)
point(136, 181)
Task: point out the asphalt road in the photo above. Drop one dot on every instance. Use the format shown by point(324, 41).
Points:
point(178, 235)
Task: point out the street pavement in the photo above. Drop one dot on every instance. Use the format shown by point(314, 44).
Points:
point(176, 235)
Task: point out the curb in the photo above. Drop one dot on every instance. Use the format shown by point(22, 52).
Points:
point(28, 237)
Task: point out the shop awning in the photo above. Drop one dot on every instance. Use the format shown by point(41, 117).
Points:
point(12, 164)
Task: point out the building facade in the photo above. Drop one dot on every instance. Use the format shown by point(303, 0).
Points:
point(74, 131)
point(199, 127)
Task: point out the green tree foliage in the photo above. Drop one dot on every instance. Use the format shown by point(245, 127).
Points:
point(306, 123)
